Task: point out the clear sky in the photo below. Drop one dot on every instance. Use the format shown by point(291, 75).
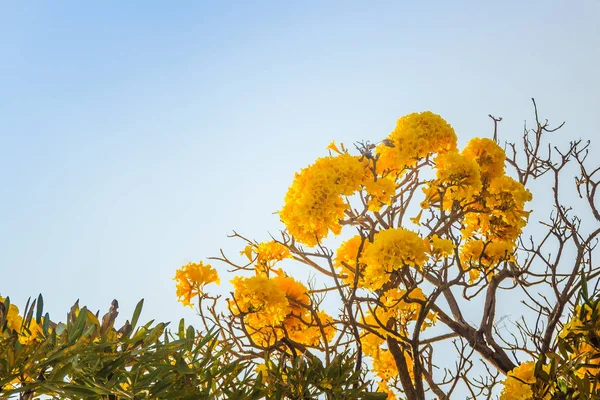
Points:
point(134, 136)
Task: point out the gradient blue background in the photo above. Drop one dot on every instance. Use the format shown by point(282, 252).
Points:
point(135, 136)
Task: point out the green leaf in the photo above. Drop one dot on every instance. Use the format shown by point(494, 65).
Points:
point(46, 326)
point(190, 333)
point(181, 330)
point(136, 313)
point(40, 309)
point(78, 326)
point(154, 334)
point(584, 288)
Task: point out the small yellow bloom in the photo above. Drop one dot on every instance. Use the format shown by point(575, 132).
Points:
point(380, 192)
point(191, 279)
point(334, 148)
point(440, 247)
point(347, 256)
point(265, 255)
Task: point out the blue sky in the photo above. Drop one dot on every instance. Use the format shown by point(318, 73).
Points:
point(134, 137)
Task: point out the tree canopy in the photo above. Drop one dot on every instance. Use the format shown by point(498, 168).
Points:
point(385, 282)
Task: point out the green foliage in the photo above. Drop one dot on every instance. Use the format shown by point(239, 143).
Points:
point(88, 358)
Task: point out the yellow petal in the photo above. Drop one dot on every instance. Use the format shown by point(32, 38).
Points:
point(333, 147)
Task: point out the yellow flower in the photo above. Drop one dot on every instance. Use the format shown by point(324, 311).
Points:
point(334, 148)
point(384, 388)
point(380, 192)
point(480, 256)
point(295, 292)
point(260, 299)
point(346, 257)
point(191, 279)
point(276, 307)
point(588, 357)
point(458, 176)
point(307, 330)
point(16, 323)
point(517, 385)
point(392, 249)
point(13, 319)
point(31, 333)
point(314, 203)
point(439, 247)
point(371, 342)
point(416, 136)
point(385, 365)
point(265, 255)
point(501, 215)
point(488, 155)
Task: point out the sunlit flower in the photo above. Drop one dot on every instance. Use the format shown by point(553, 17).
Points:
point(517, 385)
point(191, 279)
point(480, 256)
point(265, 255)
point(439, 247)
point(416, 136)
point(380, 192)
point(347, 256)
point(488, 155)
point(391, 250)
point(314, 203)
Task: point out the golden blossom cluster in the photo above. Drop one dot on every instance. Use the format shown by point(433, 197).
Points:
point(265, 255)
point(416, 136)
point(470, 216)
point(278, 307)
point(191, 279)
point(391, 250)
point(315, 202)
point(517, 385)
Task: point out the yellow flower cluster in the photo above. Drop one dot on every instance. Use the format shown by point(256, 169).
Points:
point(191, 279)
point(488, 155)
point(380, 192)
point(265, 255)
point(16, 323)
point(477, 255)
point(458, 178)
point(517, 385)
point(391, 250)
point(416, 136)
point(308, 329)
point(272, 308)
point(492, 204)
point(314, 204)
point(500, 213)
point(395, 310)
point(499, 219)
point(438, 247)
point(384, 364)
point(261, 300)
point(346, 258)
